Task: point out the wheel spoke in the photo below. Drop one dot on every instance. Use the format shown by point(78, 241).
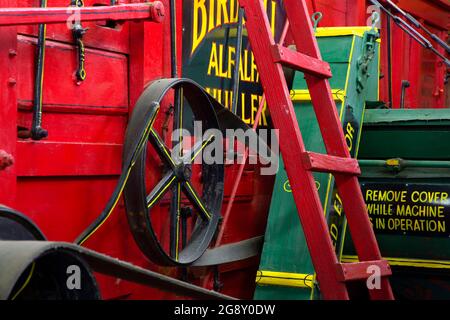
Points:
point(175, 214)
point(160, 189)
point(161, 148)
point(178, 120)
point(196, 201)
point(197, 149)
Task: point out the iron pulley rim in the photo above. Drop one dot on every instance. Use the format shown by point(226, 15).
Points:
point(176, 178)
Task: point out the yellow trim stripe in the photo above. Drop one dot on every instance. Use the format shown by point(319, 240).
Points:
point(25, 284)
point(203, 147)
point(178, 222)
point(285, 279)
point(342, 31)
point(198, 200)
point(408, 262)
point(304, 95)
point(110, 211)
point(161, 144)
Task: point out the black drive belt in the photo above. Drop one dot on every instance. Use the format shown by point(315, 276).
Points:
point(132, 183)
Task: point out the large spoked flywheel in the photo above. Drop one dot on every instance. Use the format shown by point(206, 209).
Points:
point(172, 197)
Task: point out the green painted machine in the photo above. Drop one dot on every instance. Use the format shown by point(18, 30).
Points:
point(405, 161)
point(286, 270)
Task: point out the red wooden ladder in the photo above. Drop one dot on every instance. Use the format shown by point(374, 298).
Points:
point(331, 275)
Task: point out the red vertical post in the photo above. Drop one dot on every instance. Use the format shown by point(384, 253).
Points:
point(439, 92)
point(8, 109)
point(149, 54)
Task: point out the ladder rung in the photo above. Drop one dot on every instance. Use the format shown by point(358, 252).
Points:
point(301, 62)
point(331, 164)
point(362, 270)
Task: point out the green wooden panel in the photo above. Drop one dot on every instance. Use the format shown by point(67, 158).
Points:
point(410, 134)
point(336, 49)
point(408, 143)
point(407, 117)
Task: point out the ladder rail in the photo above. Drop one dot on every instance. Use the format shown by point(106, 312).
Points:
point(326, 112)
point(320, 89)
point(293, 149)
point(302, 182)
point(333, 136)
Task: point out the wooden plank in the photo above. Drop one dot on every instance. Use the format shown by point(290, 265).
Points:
point(301, 62)
point(324, 163)
point(100, 35)
point(135, 11)
point(105, 86)
point(362, 270)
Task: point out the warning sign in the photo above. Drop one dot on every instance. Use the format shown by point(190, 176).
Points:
point(410, 209)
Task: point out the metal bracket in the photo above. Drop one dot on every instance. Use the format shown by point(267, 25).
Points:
point(363, 63)
point(316, 18)
point(78, 33)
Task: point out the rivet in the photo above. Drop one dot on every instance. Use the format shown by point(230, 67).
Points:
point(12, 53)
point(12, 81)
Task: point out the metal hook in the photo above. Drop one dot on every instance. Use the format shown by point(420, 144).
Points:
point(375, 19)
point(316, 18)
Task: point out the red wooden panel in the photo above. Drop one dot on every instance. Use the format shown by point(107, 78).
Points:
point(98, 36)
point(67, 159)
point(63, 207)
point(75, 127)
point(434, 13)
point(245, 189)
point(105, 86)
point(335, 12)
point(411, 62)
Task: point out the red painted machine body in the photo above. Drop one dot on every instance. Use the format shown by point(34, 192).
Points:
point(64, 181)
